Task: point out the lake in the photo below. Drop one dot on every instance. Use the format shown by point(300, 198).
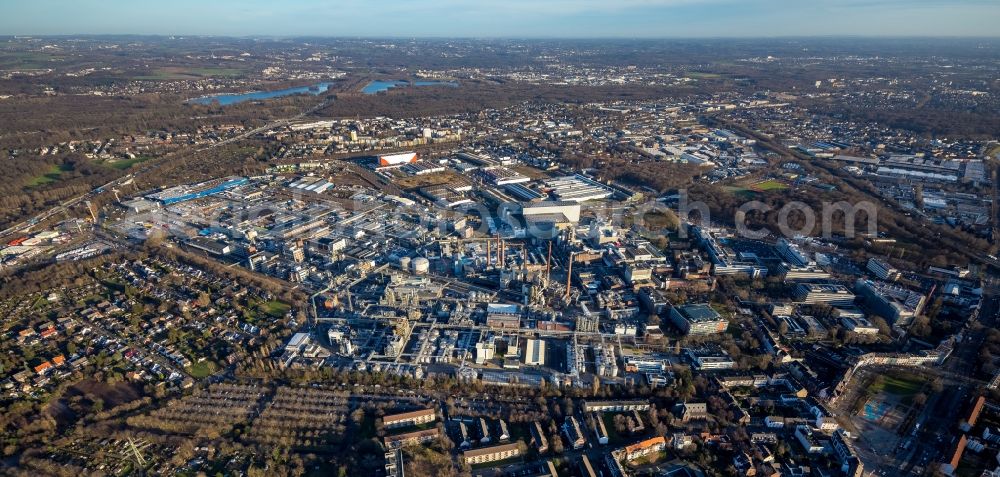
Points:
point(227, 99)
point(379, 86)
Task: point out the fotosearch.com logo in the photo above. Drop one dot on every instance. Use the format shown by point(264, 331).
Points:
point(794, 219)
point(397, 215)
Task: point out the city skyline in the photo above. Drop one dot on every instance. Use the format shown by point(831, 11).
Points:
point(514, 19)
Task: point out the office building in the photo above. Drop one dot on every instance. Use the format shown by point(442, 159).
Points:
point(882, 270)
point(698, 319)
point(895, 303)
point(823, 293)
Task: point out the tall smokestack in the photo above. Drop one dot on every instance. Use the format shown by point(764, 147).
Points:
point(489, 252)
point(569, 276)
point(548, 264)
point(503, 253)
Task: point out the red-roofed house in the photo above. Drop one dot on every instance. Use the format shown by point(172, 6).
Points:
point(42, 368)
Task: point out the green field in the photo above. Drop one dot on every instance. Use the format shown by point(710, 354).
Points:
point(769, 185)
point(742, 192)
point(28, 60)
point(702, 75)
point(614, 438)
point(275, 308)
point(181, 73)
point(750, 190)
point(202, 369)
point(123, 164)
point(53, 175)
point(268, 309)
point(902, 386)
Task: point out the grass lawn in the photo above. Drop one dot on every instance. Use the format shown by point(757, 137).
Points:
point(769, 185)
point(614, 438)
point(702, 75)
point(274, 308)
point(906, 385)
point(113, 285)
point(53, 175)
point(123, 164)
point(202, 369)
point(749, 191)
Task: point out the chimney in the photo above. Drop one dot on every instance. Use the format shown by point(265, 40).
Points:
point(503, 253)
point(569, 276)
point(548, 264)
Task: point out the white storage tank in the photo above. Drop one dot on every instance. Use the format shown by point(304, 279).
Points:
point(404, 263)
point(421, 265)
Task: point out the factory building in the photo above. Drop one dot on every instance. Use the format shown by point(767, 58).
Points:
point(184, 193)
point(562, 211)
point(503, 316)
point(534, 354)
point(577, 188)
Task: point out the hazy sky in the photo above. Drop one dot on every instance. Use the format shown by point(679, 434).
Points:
point(505, 18)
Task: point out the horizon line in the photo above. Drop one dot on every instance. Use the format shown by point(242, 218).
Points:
point(499, 37)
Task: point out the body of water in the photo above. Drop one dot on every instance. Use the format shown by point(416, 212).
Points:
point(380, 86)
point(227, 99)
